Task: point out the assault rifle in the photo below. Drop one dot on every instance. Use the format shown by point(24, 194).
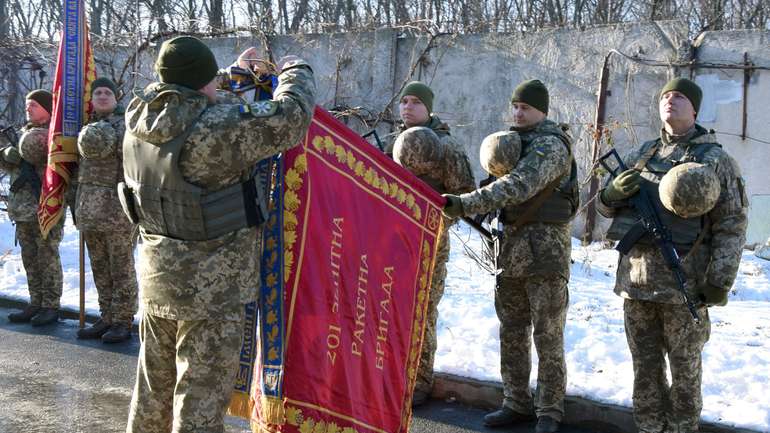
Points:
point(650, 224)
point(27, 173)
point(376, 138)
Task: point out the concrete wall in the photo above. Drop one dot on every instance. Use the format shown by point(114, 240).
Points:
point(724, 107)
point(473, 76)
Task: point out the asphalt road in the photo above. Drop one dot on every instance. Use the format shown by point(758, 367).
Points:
point(52, 382)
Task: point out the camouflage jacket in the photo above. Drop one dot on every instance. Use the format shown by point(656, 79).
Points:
point(549, 160)
point(33, 147)
point(99, 171)
point(192, 280)
point(537, 248)
point(643, 274)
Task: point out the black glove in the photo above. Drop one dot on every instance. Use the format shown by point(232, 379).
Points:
point(711, 295)
point(623, 186)
point(453, 207)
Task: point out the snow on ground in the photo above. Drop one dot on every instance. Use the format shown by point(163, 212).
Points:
point(736, 361)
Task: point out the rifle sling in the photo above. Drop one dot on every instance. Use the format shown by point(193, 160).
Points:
point(630, 238)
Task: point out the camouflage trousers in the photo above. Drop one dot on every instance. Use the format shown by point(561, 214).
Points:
point(41, 262)
point(424, 380)
point(655, 331)
point(185, 375)
point(112, 262)
point(534, 307)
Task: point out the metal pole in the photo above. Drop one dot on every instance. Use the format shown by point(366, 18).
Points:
point(601, 106)
point(746, 78)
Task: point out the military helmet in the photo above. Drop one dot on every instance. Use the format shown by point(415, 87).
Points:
point(500, 152)
point(33, 146)
point(96, 140)
point(419, 150)
point(689, 190)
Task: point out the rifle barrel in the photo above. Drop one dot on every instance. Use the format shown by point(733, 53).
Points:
point(486, 234)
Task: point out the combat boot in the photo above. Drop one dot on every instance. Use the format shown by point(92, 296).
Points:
point(45, 316)
point(24, 315)
point(117, 333)
point(505, 416)
point(94, 331)
point(546, 424)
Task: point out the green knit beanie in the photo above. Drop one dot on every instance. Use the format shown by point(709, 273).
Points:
point(42, 97)
point(686, 87)
point(104, 82)
point(532, 92)
point(421, 91)
point(186, 61)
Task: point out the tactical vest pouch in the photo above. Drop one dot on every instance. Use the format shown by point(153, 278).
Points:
point(684, 231)
point(231, 209)
point(556, 208)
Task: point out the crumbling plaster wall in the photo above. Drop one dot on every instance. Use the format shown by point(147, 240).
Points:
point(473, 76)
point(724, 107)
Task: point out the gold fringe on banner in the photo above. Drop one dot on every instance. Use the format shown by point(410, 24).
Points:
point(240, 405)
point(258, 427)
point(272, 410)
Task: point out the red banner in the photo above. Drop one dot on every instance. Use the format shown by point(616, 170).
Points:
point(75, 70)
point(360, 236)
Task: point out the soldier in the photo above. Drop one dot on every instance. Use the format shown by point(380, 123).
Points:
point(107, 232)
point(707, 219)
point(189, 154)
point(40, 256)
point(538, 198)
point(428, 150)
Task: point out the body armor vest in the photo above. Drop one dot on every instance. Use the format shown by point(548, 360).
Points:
point(684, 231)
point(156, 196)
point(562, 204)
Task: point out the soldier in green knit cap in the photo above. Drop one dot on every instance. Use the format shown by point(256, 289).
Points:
point(707, 220)
point(538, 198)
point(199, 264)
point(26, 163)
point(108, 234)
point(426, 148)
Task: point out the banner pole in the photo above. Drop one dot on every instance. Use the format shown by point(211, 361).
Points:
point(81, 253)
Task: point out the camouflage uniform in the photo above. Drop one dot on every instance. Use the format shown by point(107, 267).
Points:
point(658, 324)
point(39, 256)
point(531, 297)
point(107, 232)
point(456, 178)
point(194, 292)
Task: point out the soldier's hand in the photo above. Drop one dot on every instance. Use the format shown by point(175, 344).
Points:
point(11, 155)
point(623, 186)
point(287, 61)
point(247, 58)
point(711, 295)
point(453, 207)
